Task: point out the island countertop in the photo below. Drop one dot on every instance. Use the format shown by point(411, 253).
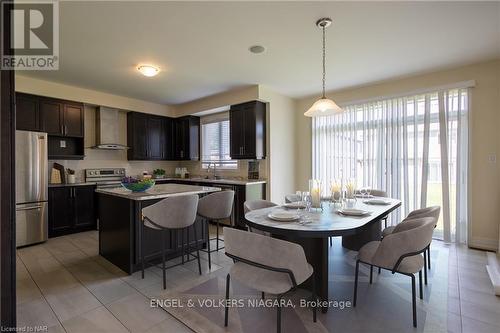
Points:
point(159, 191)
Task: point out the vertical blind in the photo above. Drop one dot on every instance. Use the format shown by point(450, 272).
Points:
point(215, 141)
point(413, 147)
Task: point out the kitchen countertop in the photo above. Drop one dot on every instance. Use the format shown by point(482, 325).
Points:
point(75, 184)
point(159, 191)
point(227, 181)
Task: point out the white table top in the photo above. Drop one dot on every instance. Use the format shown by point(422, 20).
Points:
point(159, 191)
point(321, 223)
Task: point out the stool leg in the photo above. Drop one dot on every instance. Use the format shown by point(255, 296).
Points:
point(425, 269)
point(208, 245)
point(217, 239)
point(188, 246)
point(371, 274)
point(429, 256)
point(182, 245)
point(163, 258)
point(142, 250)
point(197, 249)
point(420, 284)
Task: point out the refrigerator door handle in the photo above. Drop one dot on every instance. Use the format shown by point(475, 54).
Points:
point(29, 208)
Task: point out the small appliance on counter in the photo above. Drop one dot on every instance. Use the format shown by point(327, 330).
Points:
point(253, 169)
point(31, 188)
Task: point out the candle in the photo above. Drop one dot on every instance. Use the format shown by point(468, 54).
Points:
point(315, 190)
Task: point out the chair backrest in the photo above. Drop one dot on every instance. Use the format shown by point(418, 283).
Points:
point(257, 204)
point(173, 212)
point(267, 251)
point(415, 238)
point(218, 205)
point(375, 193)
point(289, 198)
point(425, 212)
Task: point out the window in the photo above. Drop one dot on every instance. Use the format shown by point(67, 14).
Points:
point(215, 142)
point(413, 147)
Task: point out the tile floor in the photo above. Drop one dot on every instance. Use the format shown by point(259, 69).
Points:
point(65, 285)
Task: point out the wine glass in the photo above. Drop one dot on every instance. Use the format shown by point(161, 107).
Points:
point(306, 197)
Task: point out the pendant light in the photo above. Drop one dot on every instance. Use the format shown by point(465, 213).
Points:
point(323, 106)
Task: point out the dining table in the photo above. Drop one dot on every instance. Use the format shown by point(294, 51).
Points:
point(313, 228)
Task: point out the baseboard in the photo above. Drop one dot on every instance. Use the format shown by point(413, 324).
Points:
point(484, 243)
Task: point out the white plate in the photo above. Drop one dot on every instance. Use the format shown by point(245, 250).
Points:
point(377, 202)
point(283, 216)
point(353, 212)
point(295, 205)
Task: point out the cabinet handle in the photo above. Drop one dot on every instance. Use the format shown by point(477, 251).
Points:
point(62, 130)
point(65, 129)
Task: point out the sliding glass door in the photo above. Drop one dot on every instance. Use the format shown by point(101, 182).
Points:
point(413, 147)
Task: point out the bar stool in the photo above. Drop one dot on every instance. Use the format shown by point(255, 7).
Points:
point(215, 207)
point(175, 213)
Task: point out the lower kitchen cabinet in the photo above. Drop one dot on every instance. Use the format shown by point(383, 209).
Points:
point(71, 209)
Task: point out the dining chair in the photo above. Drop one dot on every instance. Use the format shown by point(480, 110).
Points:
point(399, 252)
point(433, 212)
point(289, 198)
point(215, 207)
point(267, 264)
point(174, 213)
point(250, 205)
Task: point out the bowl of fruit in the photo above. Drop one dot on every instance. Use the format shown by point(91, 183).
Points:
point(137, 185)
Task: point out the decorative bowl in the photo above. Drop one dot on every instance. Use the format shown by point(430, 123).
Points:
point(137, 185)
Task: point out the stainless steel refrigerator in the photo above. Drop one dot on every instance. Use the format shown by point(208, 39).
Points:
point(31, 188)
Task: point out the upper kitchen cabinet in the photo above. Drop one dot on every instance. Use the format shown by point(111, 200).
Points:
point(149, 137)
point(187, 138)
point(27, 112)
point(54, 116)
point(248, 130)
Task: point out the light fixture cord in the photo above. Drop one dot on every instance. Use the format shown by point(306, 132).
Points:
point(324, 56)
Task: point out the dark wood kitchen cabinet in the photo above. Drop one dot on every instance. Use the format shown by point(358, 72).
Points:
point(44, 114)
point(149, 137)
point(71, 209)
point(187, 138)
point(27, 112)
point(248, 130)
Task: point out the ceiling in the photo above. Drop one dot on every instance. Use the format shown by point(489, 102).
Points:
point(202, 48)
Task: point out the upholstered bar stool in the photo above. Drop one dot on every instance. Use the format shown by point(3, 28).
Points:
point(173, 214)
point(433, 212)
point(267, 264)
point(215, 207)
point(250, 205)
point(400, 252)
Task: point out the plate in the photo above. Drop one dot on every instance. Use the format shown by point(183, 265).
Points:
point(377, 202)
point(295, 205)
point(359, 195)
point(353, 212)
point(283, 216)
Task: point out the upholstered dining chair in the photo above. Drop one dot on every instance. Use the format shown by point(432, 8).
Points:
point(215, 207)
point(400, 252)
point(175, 213)
point(250, 205)
point(267, 264)
point(433, 212)
point(289, 198)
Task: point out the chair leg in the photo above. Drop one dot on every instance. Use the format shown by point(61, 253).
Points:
point(385, 222)
point(208, 246)
point(314, 298)
point(163, 259)
point(142, 250)
point(356, 283)
point(425, 269)
point(429, 256)
point(414, 300)
point(263, 295)
point(278, 319)
point(226, 310)
point(331, 241)
point(197, 248)
point(420, 284)
point(379, 270)
point(371, 274)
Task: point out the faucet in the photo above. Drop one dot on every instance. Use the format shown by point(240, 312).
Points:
point(214, 170)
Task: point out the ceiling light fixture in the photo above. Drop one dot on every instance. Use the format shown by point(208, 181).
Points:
point(148, 70)
point(323, 106)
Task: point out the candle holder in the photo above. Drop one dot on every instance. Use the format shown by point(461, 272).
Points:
point(315, 192)
point(350, 194)
point(336, 192)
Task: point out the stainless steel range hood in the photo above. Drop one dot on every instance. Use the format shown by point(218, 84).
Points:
point(107, 129)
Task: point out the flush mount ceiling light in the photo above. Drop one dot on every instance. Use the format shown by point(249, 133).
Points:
point(257, 49)
point(148, 70)
point(323, 106)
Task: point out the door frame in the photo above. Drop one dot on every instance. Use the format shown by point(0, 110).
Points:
point(7, 190)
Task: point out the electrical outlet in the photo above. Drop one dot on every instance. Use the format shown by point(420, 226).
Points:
point(492, 158)
point(62, 143)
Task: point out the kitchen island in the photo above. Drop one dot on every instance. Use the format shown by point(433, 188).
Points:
point(120, 218)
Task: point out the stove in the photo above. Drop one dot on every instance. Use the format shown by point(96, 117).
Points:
point(105, 177)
